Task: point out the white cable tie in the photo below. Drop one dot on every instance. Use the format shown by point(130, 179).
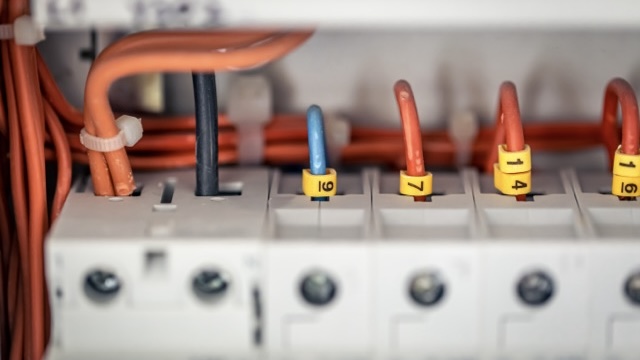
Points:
point(24, 30)
point(338, 135)
point(249, 108)
point(130, 133)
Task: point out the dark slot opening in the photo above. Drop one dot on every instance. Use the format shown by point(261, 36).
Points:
point(138, 190)
point(257, 308)
point(339, 193)
point(82, 183)
point(167, 192)
point(531, 196)
point(627, 198)
point(430, 197)
point(155, 262)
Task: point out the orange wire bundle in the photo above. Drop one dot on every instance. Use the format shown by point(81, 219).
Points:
point(111, 171)
point(25, 125)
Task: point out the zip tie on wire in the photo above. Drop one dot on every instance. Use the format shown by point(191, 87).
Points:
point(130, 133)
point(249, 108)
point(24, 30)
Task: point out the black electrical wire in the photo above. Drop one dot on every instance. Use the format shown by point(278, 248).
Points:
point(204, 90)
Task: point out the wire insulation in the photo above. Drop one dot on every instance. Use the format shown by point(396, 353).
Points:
point(620, 91)
point(413, 149)
point(204, 89)
point(317, 146)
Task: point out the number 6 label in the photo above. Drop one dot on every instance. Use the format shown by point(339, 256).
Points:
point(319, 185)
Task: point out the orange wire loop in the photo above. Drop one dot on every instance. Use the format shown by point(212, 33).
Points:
point(508, 125)
point(620, 91)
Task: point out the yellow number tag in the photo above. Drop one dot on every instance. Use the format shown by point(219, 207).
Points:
point(514, 162)
point(319, 185)
point(511, 184)
point(626, 165)
point(625, 186)
point(416, 185)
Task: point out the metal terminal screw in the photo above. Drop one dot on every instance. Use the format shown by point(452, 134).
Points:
point(632, 288)
point(427, 288)
point(102, 285)
point(210, 284)
point(318, 288)
point(535, 288)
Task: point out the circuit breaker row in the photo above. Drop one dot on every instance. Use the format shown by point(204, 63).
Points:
point(263, 271)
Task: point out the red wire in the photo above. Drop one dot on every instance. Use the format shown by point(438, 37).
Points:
point(508, 124)
point(619, 90)
point(410, 130)
point(508, 127)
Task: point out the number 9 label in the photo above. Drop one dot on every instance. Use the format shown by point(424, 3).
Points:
point(319, 185)
point(625, 186)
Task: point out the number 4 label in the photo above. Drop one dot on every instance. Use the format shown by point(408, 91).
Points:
point(519, 185)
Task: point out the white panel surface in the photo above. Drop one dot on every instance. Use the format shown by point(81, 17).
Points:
point(352, 13)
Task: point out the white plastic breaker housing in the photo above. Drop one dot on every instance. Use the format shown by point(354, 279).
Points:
point(614, 258)
point(436, 239)
point(318, 238)
point(537, 247)
point(156, 244)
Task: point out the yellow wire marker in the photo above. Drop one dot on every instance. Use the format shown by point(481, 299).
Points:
point(626, 175)
point(512, 172)
point(416, 185)
point(319, 185)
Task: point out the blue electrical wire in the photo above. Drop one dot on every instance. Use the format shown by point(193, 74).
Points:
point(317, 147)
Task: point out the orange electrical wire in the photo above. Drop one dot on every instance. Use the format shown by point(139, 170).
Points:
point(22, 322)
point(410, 130)
point(508, 125)
point(63, 157)
point(620, 91)
point(114, 165)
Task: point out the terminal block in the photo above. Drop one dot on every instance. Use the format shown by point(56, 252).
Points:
point(164, 270)
point(614, 265)
point(318, 279)
point(534, 294)
point(264, 270)
point(426, 269)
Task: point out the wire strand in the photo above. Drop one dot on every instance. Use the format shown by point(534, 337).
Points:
point(620, 91)
point(411, 131)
